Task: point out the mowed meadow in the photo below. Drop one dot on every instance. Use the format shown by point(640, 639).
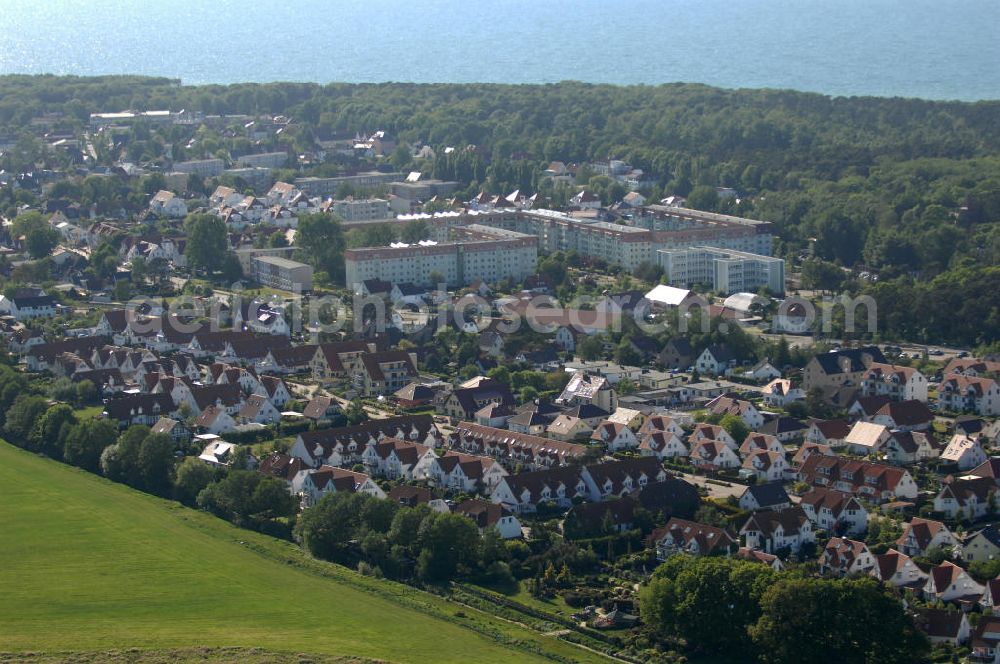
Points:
point(90, 566)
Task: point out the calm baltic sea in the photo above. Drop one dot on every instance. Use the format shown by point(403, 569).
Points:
point(945, 49)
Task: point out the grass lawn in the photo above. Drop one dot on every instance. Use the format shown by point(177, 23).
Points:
point(89, 412)
point(519, 593)
point(91, 566)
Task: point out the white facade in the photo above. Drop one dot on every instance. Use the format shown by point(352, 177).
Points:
point(724, 270)
point(490, 255)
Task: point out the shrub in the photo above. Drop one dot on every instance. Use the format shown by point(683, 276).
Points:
point(581, 597)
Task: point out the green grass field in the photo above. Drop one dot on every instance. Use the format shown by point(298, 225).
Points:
point(90, 566)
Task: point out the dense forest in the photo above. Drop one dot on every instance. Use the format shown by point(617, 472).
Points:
point(904, 190)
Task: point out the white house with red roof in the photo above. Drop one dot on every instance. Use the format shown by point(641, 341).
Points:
point(898, 570)
point(896, 382)
point(967, 394)
point(948, 582)
point(713, 455)
point(846, 557)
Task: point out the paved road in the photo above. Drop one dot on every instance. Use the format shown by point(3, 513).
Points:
point(716, 490)
point(722, 492)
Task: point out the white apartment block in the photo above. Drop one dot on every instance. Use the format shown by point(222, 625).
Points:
point(490, 254)
point(262, 160)
point(744, 245)
point(657, 228)
point(202, 167)
point(724, 270)
point(314, 186)
point(362, 209)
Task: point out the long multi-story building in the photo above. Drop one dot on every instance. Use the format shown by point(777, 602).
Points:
point(724, 270)
point(328, 186)
point(477, 252)
point(658, 228)
point(282, 273)
point(263, 160)
point(202, 167)
point(359, 209)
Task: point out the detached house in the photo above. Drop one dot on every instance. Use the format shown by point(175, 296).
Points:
point(896, 382)
point(982, 546)
point(715, 361)
point(867, 439)
point(705, 431)
point(965, 452)
point(167, 204)
point(942, 625)
point(773, 531)
point(257, 410)
point(990, 601)
point(488, 516)
point(965, 394)
point(27, 307)
point(905, 416)
point(746, 411)
point(985, 640)
point(681, 535)
point(615, 436)
point(836, 512)
point(765, 465)
point(662, 445)
point(846, 557)
point(275, 389)
point(585, 388)
point(464, 402)
point(215, 420)
point(713, 455)
point(970, 497)
point(808, 449)
point(780, 392)
point(989, 468)
point(763, 371)
point(920, 534)
point(760, 442)
point(340, 360)
point(677, 354)
point(385, 372)
point(909, 447)
point(764, 497)
point(828, 432)
point(948, 582)
point(661, 423)
point(897, 570)
point(321, 408)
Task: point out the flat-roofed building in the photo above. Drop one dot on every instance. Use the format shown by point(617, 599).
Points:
point(202, 167)
point(725, 270)
point(282, 273)
point(369, 180)
point(360, 209)
point(263, 160)
point(479, 252)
